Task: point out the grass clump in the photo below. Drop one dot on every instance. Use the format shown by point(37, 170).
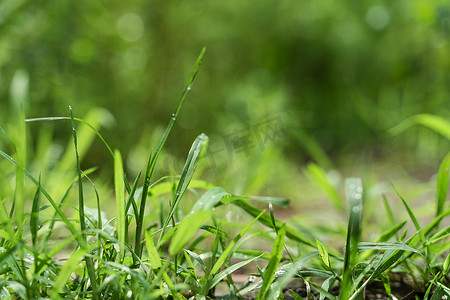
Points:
point(59, 250)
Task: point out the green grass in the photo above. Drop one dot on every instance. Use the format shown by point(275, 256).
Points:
point(59, 249)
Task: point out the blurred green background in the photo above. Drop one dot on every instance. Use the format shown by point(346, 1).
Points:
point(283, 83)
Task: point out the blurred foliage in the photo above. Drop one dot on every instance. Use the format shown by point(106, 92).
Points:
point(337, 73)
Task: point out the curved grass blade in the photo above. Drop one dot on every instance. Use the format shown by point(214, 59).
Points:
point(186, 176)
point(92, 127)
point(209, 199)
point(436, 123)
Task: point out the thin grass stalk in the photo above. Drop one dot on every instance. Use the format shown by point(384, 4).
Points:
point(153, 158)
point(89, 262)
point(19, 198)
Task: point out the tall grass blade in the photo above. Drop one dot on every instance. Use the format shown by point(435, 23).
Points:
point(89, 262)
point(274, 262)
point(19, 197)
point(442, 184)
point(354, 192)
point(120, 202)
point(153, 158)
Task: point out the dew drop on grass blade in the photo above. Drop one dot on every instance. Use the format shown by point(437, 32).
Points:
point(354, 192)
point(154, 157)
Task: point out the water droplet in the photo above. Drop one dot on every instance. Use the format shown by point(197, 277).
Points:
point(357, 209)
point(189, 88)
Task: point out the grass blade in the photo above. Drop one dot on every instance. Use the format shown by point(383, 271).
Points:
point(436, 123)
point(209, 199)
point(225, 254)
point(323, 254)
point(153, 158)
point(89, 263)
point(19, 197)
point(274, 262)
point(388, 209)
point(217, 278)
point(34, 218)
point(120, 202)
point(186, 230)
point(442, 184)
point(152, 252)
point(69, 267)
point(186, 176)
point(267, 221)
point(363, 246)
point(49, 198)
point(354, 192)
point(318, 176)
